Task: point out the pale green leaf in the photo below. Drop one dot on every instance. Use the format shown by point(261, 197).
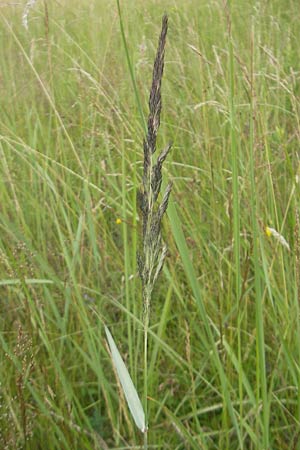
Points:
point(131, 395)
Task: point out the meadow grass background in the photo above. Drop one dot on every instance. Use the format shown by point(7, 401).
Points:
point(224, 333)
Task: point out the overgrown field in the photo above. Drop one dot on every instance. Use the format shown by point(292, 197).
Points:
point(224, 333)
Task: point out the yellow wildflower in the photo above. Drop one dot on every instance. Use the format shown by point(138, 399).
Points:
point(268, 231)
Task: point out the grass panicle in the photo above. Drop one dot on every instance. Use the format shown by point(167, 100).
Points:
point(151, 260)
point(152, 257)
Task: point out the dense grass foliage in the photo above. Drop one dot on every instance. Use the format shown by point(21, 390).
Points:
point(223, 345)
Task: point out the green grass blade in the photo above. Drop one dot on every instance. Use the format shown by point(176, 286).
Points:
point(129, 390)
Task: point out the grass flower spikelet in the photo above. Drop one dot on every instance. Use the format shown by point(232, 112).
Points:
point(29, 5)
point(272, 232)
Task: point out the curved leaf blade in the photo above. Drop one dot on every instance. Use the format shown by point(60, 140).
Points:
point(131, 395)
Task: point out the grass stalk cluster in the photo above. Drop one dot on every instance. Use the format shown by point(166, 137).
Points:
point(218, 326)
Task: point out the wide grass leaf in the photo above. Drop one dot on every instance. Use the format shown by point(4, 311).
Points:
point(130, 392)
